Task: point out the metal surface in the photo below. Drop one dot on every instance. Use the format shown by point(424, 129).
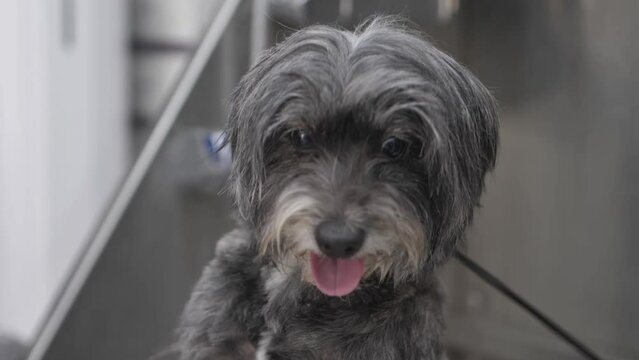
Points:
point(560, 217)
point(558, 222)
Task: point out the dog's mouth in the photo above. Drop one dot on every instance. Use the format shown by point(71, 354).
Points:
point(336, 276)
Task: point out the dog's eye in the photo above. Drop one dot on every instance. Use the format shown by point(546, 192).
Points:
point(394, 148)
point(301, 139)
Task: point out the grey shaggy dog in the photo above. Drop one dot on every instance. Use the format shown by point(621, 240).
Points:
point(359, 158)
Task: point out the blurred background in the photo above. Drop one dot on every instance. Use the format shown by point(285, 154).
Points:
point(109, 182)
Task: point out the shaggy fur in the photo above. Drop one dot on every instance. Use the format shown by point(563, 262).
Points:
point(309, 127)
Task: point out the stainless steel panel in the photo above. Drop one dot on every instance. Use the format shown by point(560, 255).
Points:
point(560, 216)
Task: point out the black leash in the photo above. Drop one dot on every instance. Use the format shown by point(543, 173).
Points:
point(512, 295)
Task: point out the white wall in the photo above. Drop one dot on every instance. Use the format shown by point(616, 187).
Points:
point(63, 142)
point(24, 220)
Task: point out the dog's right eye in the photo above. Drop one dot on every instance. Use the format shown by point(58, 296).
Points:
point(301, 139)
point(394, 148)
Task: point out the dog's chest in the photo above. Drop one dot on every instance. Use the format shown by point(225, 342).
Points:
point(301, 323)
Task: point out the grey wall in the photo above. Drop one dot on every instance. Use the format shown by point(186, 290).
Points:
point(560, 216)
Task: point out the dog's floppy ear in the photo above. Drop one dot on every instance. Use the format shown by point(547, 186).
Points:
point(475, 122)
point(472, 141)
point(251, 105)
point(241, 135)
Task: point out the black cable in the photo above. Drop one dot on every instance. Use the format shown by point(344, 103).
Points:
point(509, 293)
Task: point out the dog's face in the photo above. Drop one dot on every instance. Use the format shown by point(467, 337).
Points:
point(359, 154)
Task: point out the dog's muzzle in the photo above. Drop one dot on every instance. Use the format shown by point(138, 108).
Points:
point(337, 240)
point(336, 272)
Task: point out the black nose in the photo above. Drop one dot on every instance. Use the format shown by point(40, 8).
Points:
point(336, 239)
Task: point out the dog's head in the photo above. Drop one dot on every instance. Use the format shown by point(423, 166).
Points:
point(359, 153)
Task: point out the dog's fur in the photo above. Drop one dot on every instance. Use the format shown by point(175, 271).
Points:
point(349, 91)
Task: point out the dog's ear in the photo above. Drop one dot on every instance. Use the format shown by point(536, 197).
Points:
point(471, 150)
point(241, 135)
point(479, 120)
point(474, 123)
point(251, 105)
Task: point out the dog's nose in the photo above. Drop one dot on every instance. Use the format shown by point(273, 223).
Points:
point(338, 240)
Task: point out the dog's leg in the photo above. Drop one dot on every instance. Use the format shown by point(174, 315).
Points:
point(261, 352)
point(222, 319)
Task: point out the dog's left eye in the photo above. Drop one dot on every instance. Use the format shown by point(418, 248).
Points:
point(301, 139)
point(394, 148)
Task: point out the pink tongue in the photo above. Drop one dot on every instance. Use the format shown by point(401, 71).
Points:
point(335, 276)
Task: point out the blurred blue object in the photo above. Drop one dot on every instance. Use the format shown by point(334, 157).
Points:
point(218, 154)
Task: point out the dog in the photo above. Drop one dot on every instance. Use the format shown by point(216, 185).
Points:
point(358, 161)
